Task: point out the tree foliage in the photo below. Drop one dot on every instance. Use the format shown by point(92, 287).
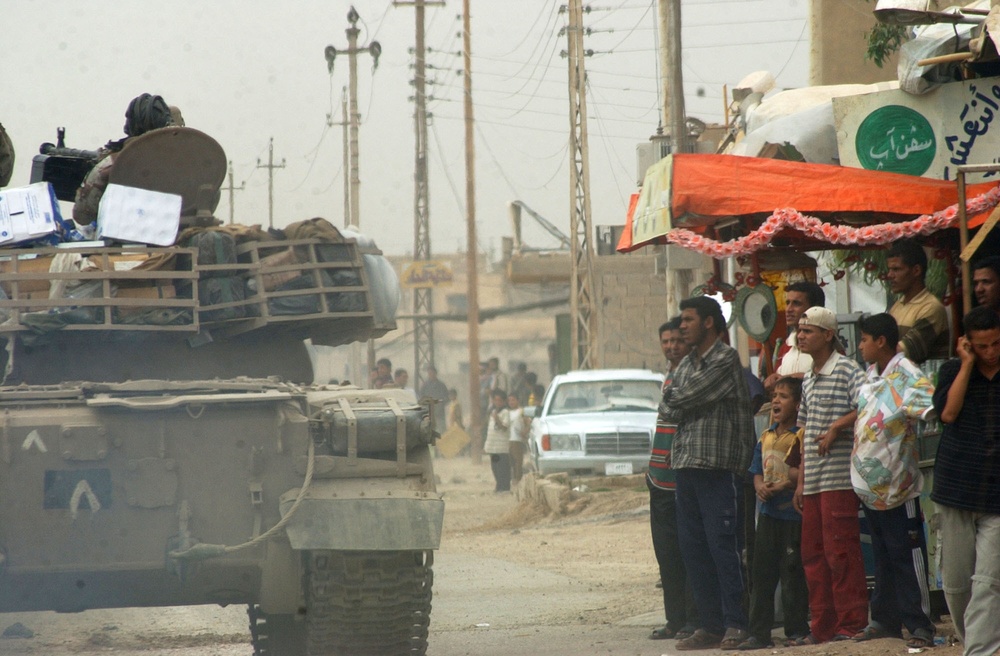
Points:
point(883, 41)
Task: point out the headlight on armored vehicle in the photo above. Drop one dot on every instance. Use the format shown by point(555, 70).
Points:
point(561, 442)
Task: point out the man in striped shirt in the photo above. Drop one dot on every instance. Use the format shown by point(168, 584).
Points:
point(831, 537)
point(678, 604)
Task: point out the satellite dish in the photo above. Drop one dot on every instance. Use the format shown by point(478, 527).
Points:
point(757, 311)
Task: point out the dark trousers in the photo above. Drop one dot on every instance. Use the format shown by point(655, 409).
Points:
point(500, 464)
point(778, 557)
point(710, 529)
point(678, 602)
point(901, 597)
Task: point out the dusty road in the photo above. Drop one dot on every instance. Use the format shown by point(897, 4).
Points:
point(509, 581)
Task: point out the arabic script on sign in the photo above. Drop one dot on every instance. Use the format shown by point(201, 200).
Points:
point(426, 274)
point(897, 139)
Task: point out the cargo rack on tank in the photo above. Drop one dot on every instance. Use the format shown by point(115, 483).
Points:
point(313, 288)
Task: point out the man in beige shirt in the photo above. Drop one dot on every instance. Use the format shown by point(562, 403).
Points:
point(923, 321)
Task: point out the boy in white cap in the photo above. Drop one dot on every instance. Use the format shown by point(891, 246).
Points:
point(831, 537)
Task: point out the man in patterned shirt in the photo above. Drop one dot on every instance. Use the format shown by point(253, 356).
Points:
point(709, 400)
point(831, 535)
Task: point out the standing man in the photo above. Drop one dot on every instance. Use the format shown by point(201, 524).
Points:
point(831, 534)
point(799, 297)
point(885, 469)
point(986, 282)
point(709, 401)
point(966, 484)
point(922, 319)
point(433, 388)
point(382, 375)
point(678, 603)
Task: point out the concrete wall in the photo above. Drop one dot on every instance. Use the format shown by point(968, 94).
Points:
point(632, 297)
point(838, 44)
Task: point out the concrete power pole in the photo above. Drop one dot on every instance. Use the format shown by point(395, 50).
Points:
point(344, 123)
point(375, 50)
point(231, 189)
point(471, 263)
point(270, 166)
point(423, 298)
point(584, 334)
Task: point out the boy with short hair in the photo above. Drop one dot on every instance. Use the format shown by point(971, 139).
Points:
point(777, 553)
point(885, 472)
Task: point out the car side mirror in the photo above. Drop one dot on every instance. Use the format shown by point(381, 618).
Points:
point(530, 411)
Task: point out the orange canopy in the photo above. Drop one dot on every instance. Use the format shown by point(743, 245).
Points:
point(702, 189)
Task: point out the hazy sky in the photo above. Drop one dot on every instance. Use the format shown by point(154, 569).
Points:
point(250, 70)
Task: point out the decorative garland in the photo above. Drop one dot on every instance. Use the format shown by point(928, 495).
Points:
point(810, 226)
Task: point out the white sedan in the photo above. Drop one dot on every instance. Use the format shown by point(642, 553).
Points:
point(599, 421)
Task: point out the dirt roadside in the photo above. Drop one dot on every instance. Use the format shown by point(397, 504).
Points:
point(511, 579)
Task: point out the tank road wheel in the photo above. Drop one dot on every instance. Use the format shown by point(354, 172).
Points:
point(369, 602)
point(276, 635)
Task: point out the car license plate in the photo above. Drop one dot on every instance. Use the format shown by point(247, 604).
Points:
point(617, 468)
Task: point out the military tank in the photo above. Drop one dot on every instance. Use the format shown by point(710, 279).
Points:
point(163, 443)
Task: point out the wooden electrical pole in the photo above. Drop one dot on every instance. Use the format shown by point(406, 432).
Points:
point(231, 189)
point(584, 334)
point(471, 262)
point(674, 94)
point(270, 166)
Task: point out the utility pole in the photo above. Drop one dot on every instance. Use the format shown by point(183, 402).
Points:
point(344, 123)
point(270, 166)
point(375, 50)
point(471, 263)
point(423, 298)
point(232, 189)
point(672, 117)
point(584, 334)
point(678, 124)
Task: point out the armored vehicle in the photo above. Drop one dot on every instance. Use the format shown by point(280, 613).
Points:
point(162, 441)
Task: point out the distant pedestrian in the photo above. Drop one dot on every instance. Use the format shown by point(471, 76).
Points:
point(382, 375)
point(498, 441)
point(454, 410)
point(433, 388)
point(518, 437)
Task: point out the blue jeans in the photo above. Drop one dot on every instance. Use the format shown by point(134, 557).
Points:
point(710, 529)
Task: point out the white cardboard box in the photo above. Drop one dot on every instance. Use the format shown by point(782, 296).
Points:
point(28, 213)
point(138, 215)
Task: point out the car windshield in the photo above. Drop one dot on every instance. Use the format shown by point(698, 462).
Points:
point(605, 396)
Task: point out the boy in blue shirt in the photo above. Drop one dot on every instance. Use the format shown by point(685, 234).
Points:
point(777, 553)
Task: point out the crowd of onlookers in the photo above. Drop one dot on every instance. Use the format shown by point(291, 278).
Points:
point(839, 438)
point(502, 398)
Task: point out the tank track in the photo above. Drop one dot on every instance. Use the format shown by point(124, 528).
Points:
point(276, 635)
point(359, 603)
point(375, 603)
